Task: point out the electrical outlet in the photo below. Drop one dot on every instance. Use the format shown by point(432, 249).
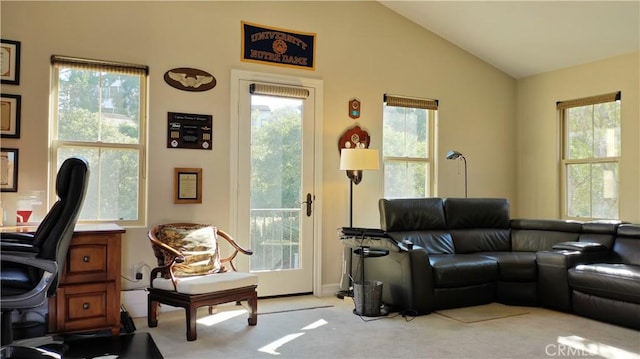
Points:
point(137, 270)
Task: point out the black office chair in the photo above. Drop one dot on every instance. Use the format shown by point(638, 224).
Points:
point(31, 262)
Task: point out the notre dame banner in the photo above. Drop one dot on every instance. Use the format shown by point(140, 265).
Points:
point(279, 47)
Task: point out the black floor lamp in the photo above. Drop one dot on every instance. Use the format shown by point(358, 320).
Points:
point(354, 161)
point(455, 155)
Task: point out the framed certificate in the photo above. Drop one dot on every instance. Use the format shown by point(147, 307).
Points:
point(10, 62)
point(187, 185)
point(10, 115)
point(9, 169)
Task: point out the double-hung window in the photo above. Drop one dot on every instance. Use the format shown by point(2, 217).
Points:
point(408, 146)
point(98, 112)
point(590, 156)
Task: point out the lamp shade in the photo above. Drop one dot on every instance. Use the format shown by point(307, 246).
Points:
point(357, 159)
point(454, 155)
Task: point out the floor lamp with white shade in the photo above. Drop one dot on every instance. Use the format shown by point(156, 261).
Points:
point(355, 160)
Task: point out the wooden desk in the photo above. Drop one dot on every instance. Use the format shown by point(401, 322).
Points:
point(88, 295)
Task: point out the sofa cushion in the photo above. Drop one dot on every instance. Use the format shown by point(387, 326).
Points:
point(614, 281)
point(602, 231)
point(626, 248)
point(481, 240)
point(457, 270)
point(533, 240)
point(411, 214)
point(515, 266)
point(464, 213)
point(554, 225)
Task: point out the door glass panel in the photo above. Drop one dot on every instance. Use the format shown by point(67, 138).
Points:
point(276, 192)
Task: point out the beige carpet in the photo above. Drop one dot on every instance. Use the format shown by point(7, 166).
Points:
point(481, 313)
point(334, 332)
point(290, 304)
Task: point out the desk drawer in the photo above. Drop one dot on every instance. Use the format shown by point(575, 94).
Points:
point(89, 306)
point(88, 260)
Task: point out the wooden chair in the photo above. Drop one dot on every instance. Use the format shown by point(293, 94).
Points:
point(191, 274)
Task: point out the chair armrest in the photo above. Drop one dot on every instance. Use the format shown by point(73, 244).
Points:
point(237, 249)
point(29, 259)
point(174, 252)
point(233, 243)
point(18, 247)
point(167, 269)
point(16, 237)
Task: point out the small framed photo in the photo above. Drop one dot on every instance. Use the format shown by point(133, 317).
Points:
point(9, 169)
point(10, 62)
point(187, 185)
point(10, 115)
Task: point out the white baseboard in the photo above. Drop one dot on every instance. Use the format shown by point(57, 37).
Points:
point(329, 290)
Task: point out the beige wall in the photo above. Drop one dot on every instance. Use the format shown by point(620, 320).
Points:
point(363, 50)
point(538, 132)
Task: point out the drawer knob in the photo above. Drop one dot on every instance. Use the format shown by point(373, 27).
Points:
point(86, 259)
point(85, 306)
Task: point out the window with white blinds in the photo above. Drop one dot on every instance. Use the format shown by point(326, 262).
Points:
point(590, 157)
point(99, 112)
point(408, 146)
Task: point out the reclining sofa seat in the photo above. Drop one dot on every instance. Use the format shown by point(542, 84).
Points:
point(566, 239)
point(447, 268)
point(609, 290)
point(452, 252)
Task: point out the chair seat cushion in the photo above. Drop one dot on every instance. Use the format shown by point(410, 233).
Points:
point(457, 270)
point(613, 281)
point(208, 283)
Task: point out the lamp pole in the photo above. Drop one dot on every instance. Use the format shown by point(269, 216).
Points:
point(465, 176)
point(455, 155)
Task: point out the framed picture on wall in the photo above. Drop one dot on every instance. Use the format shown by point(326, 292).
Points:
point(10, 62)
point(9, 169)
point(10, 115)
point(187, 185)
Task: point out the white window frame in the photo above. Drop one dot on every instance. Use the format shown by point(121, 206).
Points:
point(565, 162)
point(430, 106)
point(140, 147)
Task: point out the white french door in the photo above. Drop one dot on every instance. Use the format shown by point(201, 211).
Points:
point(275, 196)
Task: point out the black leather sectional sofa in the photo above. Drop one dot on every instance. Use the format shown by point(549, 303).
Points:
point(454, 252)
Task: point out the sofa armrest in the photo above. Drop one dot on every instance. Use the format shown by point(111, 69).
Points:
point(583, 247)
point(553, 267)
point(406, 276)
point(422, 296)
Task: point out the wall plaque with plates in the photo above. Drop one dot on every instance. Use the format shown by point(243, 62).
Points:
point(186, 130)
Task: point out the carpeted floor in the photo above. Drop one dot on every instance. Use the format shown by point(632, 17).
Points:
point(329, 329)
point(480, 313)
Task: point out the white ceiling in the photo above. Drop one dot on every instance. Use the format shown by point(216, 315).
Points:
point(524, 38)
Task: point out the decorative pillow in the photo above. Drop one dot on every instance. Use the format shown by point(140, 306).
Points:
point(198, 244)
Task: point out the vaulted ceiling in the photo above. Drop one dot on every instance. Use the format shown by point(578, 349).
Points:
point(524, 38)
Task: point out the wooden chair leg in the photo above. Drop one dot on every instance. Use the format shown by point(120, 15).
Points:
point(152, 313)
point(253, 308)
point(213, 309)
point(191, 314)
